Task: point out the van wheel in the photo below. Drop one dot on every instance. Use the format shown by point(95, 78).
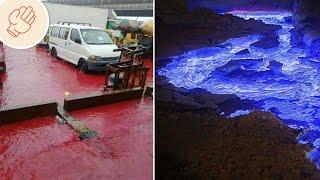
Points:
point(54, 53)
point(83, 66)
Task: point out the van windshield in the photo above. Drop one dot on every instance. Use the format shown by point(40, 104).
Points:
point(95, 36)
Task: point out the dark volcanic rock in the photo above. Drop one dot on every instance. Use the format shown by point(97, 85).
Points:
point(236, 65)
point(179, 30)
point(182, 99)
point(246, 51)
point(307, 24)
point(267, 43)
point(207, 146)
point(275, 66)
point(246, 68)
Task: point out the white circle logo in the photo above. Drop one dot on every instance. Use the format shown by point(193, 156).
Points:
point(23, 23)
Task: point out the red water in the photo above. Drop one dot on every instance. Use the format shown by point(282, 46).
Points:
point(126, 129)
point(33, 77)
point(43, 149)
point(26, 145)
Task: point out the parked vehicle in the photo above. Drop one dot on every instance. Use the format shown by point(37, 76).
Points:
point(90, 48)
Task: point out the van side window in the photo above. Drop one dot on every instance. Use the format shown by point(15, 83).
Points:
point(55, 31)
point(74, 35)
point(64, 32)
point(49, 30)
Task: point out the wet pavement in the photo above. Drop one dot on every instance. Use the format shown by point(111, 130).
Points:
point(33, 76)
point(126, 130)
point(42, 148)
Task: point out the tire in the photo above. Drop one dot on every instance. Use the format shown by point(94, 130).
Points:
point(54, 53)
point(83, 66)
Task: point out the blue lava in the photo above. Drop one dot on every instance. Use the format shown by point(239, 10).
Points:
point(283, 79)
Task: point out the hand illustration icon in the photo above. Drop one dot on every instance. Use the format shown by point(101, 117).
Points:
point(21, 21)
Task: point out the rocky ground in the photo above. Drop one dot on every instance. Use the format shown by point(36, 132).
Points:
point(192, 140)
point(179, 30)
point(203, 145)
point(307, 22)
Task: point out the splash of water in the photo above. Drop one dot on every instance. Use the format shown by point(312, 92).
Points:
point(283, 78)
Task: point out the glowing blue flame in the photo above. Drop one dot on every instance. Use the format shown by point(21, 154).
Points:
point(282, 78)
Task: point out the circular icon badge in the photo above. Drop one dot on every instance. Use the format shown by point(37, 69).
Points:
point(23, 23)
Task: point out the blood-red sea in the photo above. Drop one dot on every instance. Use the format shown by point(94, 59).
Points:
point(42, 148)
point(35, 77)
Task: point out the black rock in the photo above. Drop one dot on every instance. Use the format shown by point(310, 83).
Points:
point(266, 43)
point(275, 65)
point(246, 51)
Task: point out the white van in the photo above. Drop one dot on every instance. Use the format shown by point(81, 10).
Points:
point(90, 48)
